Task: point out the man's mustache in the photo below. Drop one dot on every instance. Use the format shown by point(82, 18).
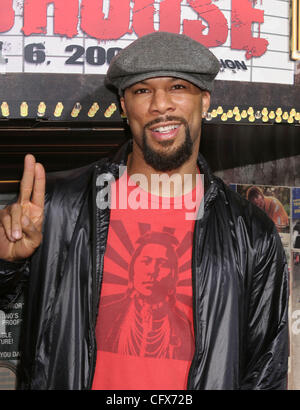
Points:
point(166, 119)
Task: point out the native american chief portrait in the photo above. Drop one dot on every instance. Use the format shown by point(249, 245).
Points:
point(147, 321)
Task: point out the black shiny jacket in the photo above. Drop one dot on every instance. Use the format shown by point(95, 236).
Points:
point(240, 288)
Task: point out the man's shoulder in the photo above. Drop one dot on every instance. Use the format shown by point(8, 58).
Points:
point(74, 173)
point(70, 189)
point(69, 195)
point(272, 201)
point(73, 179)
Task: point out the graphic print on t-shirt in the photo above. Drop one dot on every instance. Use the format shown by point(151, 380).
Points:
point(146, 297)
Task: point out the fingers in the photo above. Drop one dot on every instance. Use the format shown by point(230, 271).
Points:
point(11, 222)
point(17, 225)
point(5, 220)
point(30, 231)
point(38, 195)
point(26, 185)
point(32, 186)
point(21, 222)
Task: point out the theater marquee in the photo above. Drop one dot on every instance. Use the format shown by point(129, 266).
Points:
point(295, 29)
point(54, 55)
point(250, 38)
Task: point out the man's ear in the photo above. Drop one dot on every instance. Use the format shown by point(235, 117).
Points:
point(205, 101)
point(122, 102)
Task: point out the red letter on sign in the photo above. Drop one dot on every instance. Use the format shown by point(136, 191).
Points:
point(7, 15)
point(65, 17)
point(111, 28)
point(217, 24)
point(242, 17)
point(143, 16)
point(169, 16)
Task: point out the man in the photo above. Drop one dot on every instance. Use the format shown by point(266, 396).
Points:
point(231, 290)
point(271, 205)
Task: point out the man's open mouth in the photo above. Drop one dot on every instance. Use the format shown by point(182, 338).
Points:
point(164, 132)
point(165, 129)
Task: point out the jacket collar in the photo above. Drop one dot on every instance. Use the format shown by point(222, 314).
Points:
point(122, 154)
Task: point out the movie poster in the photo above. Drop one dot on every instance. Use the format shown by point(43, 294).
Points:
point(275, 202)
point(10, 327)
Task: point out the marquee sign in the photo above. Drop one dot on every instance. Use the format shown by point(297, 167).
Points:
point(295, 29)
point(250, 38)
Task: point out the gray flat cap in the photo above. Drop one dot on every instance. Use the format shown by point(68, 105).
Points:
point(163, 54)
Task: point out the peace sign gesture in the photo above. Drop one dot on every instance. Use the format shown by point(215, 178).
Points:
point(21, 223)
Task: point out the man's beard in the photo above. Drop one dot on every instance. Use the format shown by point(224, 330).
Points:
point(172, 160)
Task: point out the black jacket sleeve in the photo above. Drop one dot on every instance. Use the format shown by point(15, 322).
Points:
point(267, 339)
point(14, 275)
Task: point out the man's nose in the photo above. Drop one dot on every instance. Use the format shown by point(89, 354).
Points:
point(153, 269)
point(161, 102)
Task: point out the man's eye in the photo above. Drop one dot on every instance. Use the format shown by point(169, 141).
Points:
point(141, 91)
point(164, 263)
point(146, 260)
point(178, 86)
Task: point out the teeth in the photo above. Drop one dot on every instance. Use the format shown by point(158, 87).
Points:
point(166, 129)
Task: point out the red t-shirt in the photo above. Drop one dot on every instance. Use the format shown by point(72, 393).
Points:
point(144, 329)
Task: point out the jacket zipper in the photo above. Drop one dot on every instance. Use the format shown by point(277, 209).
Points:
point(192, 367)
point(198, 349)
point(97, 261)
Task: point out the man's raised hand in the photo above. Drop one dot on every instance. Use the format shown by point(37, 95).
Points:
point(21, 223)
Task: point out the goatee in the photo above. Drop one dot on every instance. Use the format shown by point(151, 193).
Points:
point(168, 161)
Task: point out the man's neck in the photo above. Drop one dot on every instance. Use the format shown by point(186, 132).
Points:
point(172, 183)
